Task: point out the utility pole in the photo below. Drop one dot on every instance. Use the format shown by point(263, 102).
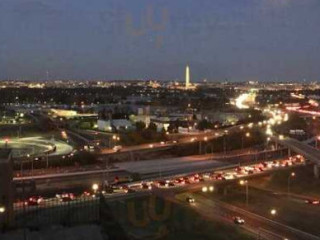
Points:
point(224, 145)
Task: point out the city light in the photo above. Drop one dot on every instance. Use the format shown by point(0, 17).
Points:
point(95, 187)
point(204, 189)
point(273, 212)
point(2, 209)
point(243, 182)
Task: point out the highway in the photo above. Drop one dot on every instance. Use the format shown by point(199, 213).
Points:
point(201, 137)
point(302, 148)
point(222, 174)
point(75, 179)
point(261, 227)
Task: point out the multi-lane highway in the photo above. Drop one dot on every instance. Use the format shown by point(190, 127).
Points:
point(192, 180)
point(73, 179)
point(260, 227)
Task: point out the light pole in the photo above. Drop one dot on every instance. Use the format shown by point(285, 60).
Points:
point(205, 139)
point(246, 183)
point(292, 175)
point(317, 139)
point(224, 144)
point(242, 138)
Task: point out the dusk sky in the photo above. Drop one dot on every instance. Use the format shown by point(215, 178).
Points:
point(266, 40)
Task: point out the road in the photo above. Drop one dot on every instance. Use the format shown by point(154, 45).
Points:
point(75, 181)
point(302, 148)
point(228, 172)
point(260, 226)
point(204, 206)
point(201, 137)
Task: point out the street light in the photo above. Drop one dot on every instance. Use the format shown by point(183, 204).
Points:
point(273, 212)
point(95, 187)
point(242, 183)
point(242, 140)
point(292, 175)
point(2, 209)
point(204, 189)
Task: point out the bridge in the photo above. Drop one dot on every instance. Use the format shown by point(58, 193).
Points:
point(302, 148)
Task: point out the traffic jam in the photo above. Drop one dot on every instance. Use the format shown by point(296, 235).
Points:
point(125, 185)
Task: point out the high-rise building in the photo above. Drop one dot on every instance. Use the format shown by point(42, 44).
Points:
point(187, 77)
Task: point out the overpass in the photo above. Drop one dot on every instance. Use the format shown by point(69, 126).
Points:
point(302, 148)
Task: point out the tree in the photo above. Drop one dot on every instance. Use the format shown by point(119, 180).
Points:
point(140, 126)
point(204, 124)
point(152, 127)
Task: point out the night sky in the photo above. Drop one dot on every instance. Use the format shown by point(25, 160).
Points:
point(266, 40)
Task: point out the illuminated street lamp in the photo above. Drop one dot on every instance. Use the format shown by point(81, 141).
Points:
point(2, 209)
point(292, 175)
point(95, 187)
point(242, 140)
point(204, 189)
point(245, 183)
point(273, 212)
point(205, 138)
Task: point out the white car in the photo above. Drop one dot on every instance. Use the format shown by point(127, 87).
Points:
point(238, 220)
point(117, 148)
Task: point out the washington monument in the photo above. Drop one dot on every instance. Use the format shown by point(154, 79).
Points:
point(187, 77)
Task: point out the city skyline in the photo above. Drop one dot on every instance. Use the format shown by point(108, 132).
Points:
point(263, 40)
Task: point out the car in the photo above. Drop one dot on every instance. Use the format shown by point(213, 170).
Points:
point(86, 194)
point(219, 176)
point(238, 220)
point(180, 181)
point(33, 201)
point(65, 197)
point(311, 201)
point(171, 184)
point(190, 200)
point(162, 184)
point(130, 190)
point(187, 181)
point(117, 148)
point(146, 186)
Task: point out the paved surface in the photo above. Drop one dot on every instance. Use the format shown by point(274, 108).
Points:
point(302, 148)
point(261, 226)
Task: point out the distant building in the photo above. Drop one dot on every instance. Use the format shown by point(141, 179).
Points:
point(71, 114)
point(6, 188)
point(114, 124)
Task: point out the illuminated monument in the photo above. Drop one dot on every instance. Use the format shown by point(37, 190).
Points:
point(187, 77)
point(184, 86)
